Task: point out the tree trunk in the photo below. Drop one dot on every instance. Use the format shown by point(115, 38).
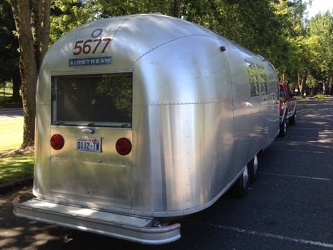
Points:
point(299, 84)
point(303, 81)
point(32, 24)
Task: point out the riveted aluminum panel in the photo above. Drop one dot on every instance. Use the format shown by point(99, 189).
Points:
point(194, 123)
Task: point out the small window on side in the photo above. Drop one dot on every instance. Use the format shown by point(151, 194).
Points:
point(253, 78)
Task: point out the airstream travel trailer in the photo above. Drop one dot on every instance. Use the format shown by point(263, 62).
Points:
point(142, 119)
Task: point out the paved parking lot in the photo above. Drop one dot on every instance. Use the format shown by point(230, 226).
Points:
point(290, 206)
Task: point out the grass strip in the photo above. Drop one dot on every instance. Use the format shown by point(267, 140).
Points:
point(16, 167)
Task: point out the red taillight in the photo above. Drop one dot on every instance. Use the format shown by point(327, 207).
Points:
point(123, 146)
point(57, 141)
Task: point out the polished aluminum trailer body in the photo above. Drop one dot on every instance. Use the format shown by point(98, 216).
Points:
point(201, 108)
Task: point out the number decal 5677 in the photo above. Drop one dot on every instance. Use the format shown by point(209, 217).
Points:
point(91, 46)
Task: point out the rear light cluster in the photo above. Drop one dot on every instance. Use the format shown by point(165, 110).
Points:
point(123, 145)
point(57, 141)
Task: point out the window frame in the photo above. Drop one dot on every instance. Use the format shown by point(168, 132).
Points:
point(253, 78)
point(112, 118)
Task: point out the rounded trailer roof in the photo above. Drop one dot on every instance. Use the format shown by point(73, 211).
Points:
point(123, 40)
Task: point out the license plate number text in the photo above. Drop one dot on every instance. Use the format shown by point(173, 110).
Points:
point(89, 144)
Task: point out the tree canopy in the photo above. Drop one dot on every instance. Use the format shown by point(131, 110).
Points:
point(301, 49)
point(279, 30)
point(9, 59)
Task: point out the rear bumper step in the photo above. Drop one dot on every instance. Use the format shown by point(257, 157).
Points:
point(131, 228)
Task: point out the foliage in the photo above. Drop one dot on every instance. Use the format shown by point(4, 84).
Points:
point(6, 92)
point(238, 21)
point(128, 7)
point(68, 14)
point(9, 59)
point(319, 96)
point(8, 42)
point(300, 49)
point(294, 56)
point(320, 37)
point(274, 29)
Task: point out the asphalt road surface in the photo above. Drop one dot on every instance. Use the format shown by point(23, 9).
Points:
point(290, 206)
point(11, 113)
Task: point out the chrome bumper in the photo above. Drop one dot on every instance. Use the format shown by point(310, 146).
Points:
point(131, 228)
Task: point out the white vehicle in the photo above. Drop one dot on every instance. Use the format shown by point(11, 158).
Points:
point(142, 119)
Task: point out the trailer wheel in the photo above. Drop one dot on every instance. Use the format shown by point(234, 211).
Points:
point(253, 168)
point(283, 128)
point(241, 186)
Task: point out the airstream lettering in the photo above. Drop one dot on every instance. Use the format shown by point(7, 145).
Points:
point(125, 146)
point(90, 61)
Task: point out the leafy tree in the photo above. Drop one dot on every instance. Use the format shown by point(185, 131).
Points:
point(293, 67)
point(320, 37)
point(256, 25)
point(128, 7)
point(272, 28)
point(68, 14)
point(8, 49)
point(308, 58)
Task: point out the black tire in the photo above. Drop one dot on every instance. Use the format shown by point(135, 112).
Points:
point(253, 168)
point(292, 119)
point(241, 186)
point(283, 129)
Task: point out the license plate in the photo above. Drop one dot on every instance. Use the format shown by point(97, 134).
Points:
point(89, 144)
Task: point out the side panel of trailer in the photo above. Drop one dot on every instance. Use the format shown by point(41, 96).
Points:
point(186, 123)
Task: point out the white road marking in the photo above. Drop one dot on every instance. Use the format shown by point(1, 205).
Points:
point(274, 236)
point(297, 176)
point(267, 235)
point(298, 151)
